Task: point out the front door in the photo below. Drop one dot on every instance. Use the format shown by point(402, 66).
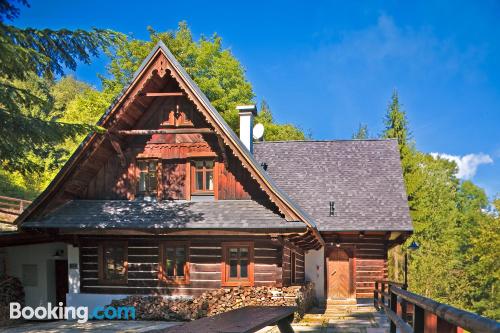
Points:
point(339, 276)
point(61, 267)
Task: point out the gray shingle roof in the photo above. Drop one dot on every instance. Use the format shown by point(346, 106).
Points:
point(123, 214)
point(363, 178)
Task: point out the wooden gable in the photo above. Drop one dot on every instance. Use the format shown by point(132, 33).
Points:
point(162, 115)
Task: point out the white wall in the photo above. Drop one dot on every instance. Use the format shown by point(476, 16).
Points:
point(91, 300)
point(73, 269)
point(315, 271)
point(41, 255)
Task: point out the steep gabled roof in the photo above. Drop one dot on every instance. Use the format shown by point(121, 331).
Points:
point(363, 177)
point(163, 61)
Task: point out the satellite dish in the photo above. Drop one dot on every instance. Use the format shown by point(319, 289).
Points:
point(258, 131)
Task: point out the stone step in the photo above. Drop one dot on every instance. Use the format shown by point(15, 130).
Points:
point(341, 301)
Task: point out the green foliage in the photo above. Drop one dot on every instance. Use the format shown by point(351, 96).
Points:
point(216, 71)
point(27, 56)
point(458, 261)
point(59, 97)
point(361, 133)
point(277, 132)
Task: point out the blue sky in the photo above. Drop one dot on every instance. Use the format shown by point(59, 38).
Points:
point(328, 66)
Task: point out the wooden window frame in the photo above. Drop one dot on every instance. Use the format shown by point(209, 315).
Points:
point(225, 265)
point(194, 191)
point(162, 269)
point(157, 191)
point(100, 262)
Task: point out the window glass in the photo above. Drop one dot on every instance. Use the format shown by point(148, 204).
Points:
point(209, 180)
point(148, 182)
point(238, 261)
point(203, 175)
point(175, 261)
point(198, 164)
point(244, 268)
point(142, 182)
point(114, 262)
point(199, 181)
point(180, 260)
point(169, 262)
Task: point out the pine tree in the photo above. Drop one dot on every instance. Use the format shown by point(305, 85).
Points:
point(396, 127)
point(44, 53)
point(362, 132)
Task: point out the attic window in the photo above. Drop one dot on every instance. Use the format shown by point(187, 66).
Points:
point(203, 176)
point(147, 184)
point(332, 208)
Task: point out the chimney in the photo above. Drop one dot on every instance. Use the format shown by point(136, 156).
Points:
point(247, 112)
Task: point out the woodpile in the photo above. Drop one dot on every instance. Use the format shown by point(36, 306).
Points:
point(11, 290)
point(160, 308)
point(218, 301)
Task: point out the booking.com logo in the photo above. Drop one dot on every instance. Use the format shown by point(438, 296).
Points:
point(79, 313)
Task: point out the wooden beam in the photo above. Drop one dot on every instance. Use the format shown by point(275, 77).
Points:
point(222, 148)
point(165, 131)
point(117, 146)
point(163, 94)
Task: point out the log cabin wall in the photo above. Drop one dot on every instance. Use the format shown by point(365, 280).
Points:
point(205, 263)
point(293, 254)
point(370, 259)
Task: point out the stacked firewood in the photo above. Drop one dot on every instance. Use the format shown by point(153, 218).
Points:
point(160, 308)
point(218, 301)
point(11, 290)
point(223, 300)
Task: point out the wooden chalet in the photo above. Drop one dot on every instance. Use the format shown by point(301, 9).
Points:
point(169, 200)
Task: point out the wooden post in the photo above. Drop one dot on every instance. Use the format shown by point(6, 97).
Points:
point(383, 291)
point(375, 296)
point(394, 308)
point(430, 320)
point(284, 325)
point(445, 327)
point(404, 310)
point(418, 319)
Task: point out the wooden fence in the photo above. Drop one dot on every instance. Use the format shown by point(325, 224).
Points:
point(409, 312)
point(12, 206)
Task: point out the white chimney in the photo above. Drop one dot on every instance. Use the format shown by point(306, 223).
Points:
point(247, 112)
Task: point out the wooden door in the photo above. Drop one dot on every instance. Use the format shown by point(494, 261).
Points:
point(339, 276)
point(61, 268)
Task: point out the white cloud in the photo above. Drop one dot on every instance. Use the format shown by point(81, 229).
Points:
point(467, 164)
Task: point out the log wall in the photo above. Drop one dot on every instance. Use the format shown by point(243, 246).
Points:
point(287, 265)
point(205, 260)
point(370, 260)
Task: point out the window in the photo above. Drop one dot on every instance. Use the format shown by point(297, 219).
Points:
point(174, 262)
point(237, 266)
point(147, 177)
point(203, 177)
point(113, 262)
point(292, 267)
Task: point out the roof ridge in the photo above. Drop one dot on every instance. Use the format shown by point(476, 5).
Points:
point(333, 140)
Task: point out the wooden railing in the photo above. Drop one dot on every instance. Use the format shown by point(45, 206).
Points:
point(409, 312)
point(13, 206)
